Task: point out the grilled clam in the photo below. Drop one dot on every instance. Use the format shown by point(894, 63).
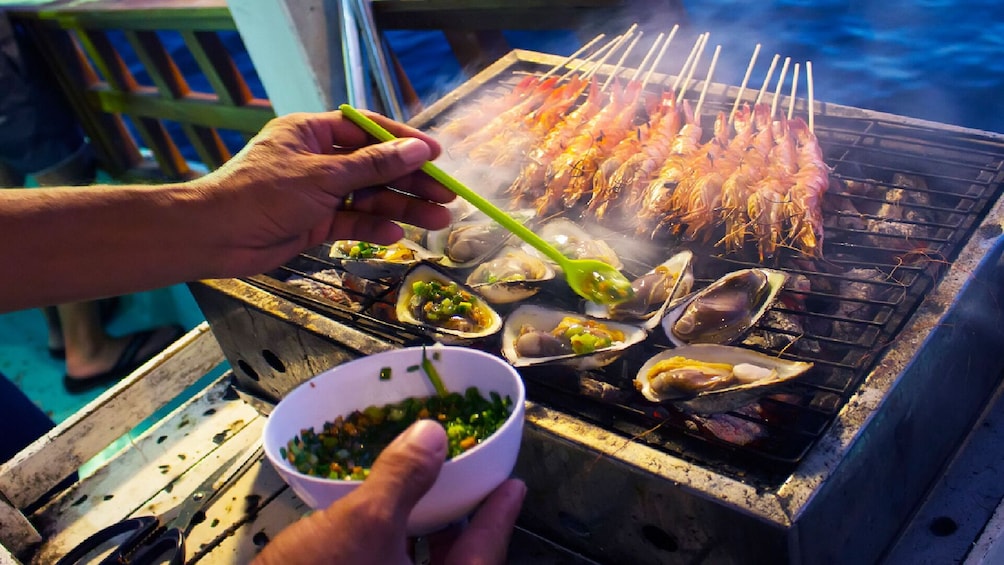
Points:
point(466, 244)
point(725, 310)
point(534, 335)
point(575, 243)
point(713, 378)
point(374, 261)
point(432, 300)
point(654, 292)
point(512, 275)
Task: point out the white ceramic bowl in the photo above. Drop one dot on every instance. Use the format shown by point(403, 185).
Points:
point(464, 480)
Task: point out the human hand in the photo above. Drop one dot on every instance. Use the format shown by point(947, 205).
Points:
point(368, 525)
point(289, 189)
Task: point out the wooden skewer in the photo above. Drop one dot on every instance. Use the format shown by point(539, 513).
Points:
point(572, 57)
point(812, 106)
point(662, 52)
point(686, 63)
point(742, 87)
point(690, 74)
point(620, 63)
point(605, 51)
point(780, 82)
point(766, 80)
point(644, 61)
point(707, 81)
point(794, 90)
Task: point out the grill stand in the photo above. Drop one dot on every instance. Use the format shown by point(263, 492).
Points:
point(612, 499)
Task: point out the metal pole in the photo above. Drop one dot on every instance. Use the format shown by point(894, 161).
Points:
point(378, 60)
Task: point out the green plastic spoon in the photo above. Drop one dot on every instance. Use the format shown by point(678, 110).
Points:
point(591, 279)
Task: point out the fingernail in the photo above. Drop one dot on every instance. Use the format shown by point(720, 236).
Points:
point(411, 150)
point(425, 435)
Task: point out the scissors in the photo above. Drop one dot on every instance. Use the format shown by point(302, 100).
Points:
point(146, 540)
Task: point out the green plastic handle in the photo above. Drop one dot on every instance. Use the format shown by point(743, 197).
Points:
point(458, 188)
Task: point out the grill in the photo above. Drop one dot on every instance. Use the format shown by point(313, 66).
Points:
point(827, 468)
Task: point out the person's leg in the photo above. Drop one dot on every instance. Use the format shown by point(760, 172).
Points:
point(93, 357)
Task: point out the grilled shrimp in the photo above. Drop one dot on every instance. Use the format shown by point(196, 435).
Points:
point(512, 146)
point(530, 183)
point(629, 181)
point(751, 146)
point(811, 182)
point(575, 161)
point(502, 121)
point(658, 194)
point(476, 117)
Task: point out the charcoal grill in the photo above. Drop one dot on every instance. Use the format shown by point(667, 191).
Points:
point(901, 319)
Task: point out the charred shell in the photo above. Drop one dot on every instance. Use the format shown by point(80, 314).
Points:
point(725, 310)
point(713, 378)
point(512, 275)
point(430, 299)
point(535, 335)
point(373, 261)
point(654, 292)
point(574, 242)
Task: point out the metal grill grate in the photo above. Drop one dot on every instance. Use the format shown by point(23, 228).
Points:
point(903, 200)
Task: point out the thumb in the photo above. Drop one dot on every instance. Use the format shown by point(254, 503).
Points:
point(407, 468)
point(382, 163)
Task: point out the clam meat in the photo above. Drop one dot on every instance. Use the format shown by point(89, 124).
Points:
point(375, 261)
point(512, 275)
point(725, 310)
point(432, 300)
point(575, 243)
point(465, 244)
point(713, 377)
point(535, 335)
point(653, 293)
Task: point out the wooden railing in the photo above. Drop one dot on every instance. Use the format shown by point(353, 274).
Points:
point(95, 73)
point(93, 47)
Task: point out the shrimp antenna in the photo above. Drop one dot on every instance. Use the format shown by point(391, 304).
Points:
point(780, 82)
point(794, 90)
point(620, 63)
point(766, 80)
point(662, 52)
point(707, 81)
point(812, 106)
point(690, 74)
point(742, 87)
point(572, 57)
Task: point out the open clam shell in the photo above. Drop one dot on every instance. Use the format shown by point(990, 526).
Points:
point(467, 243)
point(726, 309)
point(713, 378)
point(430, 299)
point(374, 261)
point(528, 338)
point(574, 242)
point(511, 276)
point(654, 292)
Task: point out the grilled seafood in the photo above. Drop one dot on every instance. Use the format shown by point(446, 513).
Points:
point(535, 335)
point(725, 310)
point(511, 276)
point(653, 293)
point(711, 378)
point(430, 299)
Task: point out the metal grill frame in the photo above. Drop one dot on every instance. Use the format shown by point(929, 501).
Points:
point(616, 499)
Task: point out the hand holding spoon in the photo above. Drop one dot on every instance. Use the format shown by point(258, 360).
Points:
point(591, 279)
